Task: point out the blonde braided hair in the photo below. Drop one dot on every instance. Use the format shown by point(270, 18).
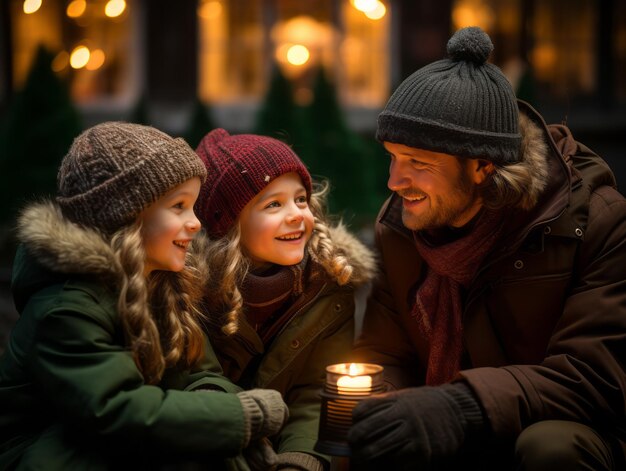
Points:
point(160, 321)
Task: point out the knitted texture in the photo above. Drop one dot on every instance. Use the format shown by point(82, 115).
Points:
point(295, 461)
point(461, 106)
point(115, 170)
point(264, 412)
point(239, 167)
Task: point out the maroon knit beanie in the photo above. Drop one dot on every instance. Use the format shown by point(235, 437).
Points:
point(238, 168)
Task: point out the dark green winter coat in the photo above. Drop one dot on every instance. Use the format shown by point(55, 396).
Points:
point(71, 395)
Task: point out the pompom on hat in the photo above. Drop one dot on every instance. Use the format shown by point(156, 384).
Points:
point(239, 167)
point(461, 106)
point(115, 170)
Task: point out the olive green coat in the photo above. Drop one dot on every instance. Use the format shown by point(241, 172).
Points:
point(319, 333)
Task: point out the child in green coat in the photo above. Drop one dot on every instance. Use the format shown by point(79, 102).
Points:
point(280, 289)
point(103, 367)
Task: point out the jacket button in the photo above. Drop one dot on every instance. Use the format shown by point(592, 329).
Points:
point(295, 343)
point(518, 264)
point(337, 307)
point(547, 230)
point(578, 232)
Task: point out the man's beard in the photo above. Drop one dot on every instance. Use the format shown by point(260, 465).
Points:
point(448, 210)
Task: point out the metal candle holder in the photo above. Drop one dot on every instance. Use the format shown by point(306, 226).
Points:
point(346, 385)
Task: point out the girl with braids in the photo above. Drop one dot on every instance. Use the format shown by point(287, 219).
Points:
point(102, 368)
point(280, 290)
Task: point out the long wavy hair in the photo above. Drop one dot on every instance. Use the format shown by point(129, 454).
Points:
point(228, 264)
point(158, 313)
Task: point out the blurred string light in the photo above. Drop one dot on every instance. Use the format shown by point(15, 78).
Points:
point(377, 13)
point(114, 8)
point(79, 57)
point(373, 9)
point(76, 8)
point(96, 59)
point(210, 10)
point(472, 13)
point(298, 54)
point(31, 6)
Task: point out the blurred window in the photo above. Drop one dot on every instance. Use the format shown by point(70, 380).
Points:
point(563, 55)
point(560, 56)
point(241, 40)
point(91, 41)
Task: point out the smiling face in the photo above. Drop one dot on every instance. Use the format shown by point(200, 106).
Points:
point(277, 223)
point(169, 225)
point(438, 190)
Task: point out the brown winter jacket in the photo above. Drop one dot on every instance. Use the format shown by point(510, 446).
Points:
point(544, 320)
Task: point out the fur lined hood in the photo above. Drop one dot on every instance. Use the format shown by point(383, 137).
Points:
point(534, 156)
point(62, 246)
point(53, 248)
point(358, 254)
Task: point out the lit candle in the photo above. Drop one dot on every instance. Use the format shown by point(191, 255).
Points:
point(354, 382)
point(346, 385)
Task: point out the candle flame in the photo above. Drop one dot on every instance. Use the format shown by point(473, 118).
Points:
point(355, 369)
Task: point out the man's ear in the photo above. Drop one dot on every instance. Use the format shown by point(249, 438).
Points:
point(480, 169)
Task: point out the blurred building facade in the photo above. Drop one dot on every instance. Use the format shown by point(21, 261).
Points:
point(159, 59)
point(567, 57)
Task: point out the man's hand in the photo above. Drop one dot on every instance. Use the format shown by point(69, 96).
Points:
point(417, 426)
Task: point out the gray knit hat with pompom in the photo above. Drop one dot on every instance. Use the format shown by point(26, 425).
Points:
point(115, 170)
point(461, 106)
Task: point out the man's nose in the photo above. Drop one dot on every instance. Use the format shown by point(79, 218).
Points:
point(398, 178)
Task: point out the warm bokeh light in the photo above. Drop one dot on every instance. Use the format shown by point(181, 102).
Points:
point(298, 54)
point(31, 6)
point(76, 8)
point(60, 61)
point(114, 8)
point(79, 57)
point(210, 10)
point(544, 57)
point(377, 13)
point(472, 13)
point(365, 5)
point(301, 30)
point(96, 59)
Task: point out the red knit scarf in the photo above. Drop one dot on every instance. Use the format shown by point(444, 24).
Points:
point(438, 304)
point(267, 296)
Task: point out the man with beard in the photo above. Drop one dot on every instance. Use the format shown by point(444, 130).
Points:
point(500, 310)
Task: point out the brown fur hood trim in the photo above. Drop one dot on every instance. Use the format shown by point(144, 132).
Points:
point(534, 160)
point(62, 246)
point(360, 257)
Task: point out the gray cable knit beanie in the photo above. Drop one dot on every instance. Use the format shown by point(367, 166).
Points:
point(461, 106)
point(115, 170)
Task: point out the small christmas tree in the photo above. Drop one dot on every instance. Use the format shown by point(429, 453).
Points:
point(342, 155)
point(279, 117)
point(36, 133)
point(200, 123)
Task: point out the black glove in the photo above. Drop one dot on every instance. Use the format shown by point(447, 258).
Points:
point(423, 427)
